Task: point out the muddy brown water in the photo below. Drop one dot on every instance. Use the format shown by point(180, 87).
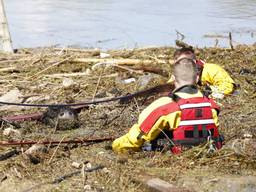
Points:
point(127, 24)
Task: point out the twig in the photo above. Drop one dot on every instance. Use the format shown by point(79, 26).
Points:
point(47, 68)
point(96, 89)
point(217, 158)
point(61, 75)
point(3, 178)
point(94, 51)
point(137, 105)
point(180, 34)
point(56, 150)
point(83, 173)
point(168, 138)
point(112, 64)
point(56, 125)
point(8, 69)
point(216, 42)
point(14, 60)
point(230, 40)
point(129, 69)
point(155, 58)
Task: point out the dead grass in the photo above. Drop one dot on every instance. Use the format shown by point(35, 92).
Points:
point(113, 119)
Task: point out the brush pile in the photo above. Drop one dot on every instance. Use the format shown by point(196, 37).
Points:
point(55, 75)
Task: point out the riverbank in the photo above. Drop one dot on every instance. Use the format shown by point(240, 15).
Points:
point(55, 75)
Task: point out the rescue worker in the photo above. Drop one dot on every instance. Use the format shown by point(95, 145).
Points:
point(211, 75)
point(186, 114)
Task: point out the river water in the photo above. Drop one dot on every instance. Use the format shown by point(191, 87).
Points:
point(118, 24)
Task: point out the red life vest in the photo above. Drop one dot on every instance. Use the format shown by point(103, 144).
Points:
point(196, 123)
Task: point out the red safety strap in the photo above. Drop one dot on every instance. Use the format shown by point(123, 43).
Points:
point(151, 119)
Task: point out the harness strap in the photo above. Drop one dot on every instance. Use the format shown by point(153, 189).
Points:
point(195, 131)
point(204, 130)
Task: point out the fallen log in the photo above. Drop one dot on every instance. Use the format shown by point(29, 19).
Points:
point(151, 69)
point(117, 61)
point(92, 51)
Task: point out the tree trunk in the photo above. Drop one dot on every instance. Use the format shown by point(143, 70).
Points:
point(4, 31)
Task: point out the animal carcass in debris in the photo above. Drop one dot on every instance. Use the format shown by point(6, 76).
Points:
point(61, 118)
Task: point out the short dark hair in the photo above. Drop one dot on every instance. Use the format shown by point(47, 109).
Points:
point(183, 50)
point(184, 71)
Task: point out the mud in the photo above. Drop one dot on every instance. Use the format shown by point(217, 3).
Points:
point(195, 169)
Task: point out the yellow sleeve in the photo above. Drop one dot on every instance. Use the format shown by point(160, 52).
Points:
point(134, 139)
point(217, 77)
point(168, 122)
point(130, 141)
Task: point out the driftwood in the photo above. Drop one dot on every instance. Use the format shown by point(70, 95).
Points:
point(4, 32)
point(92, 51)
point(156, 184)
point(61, 75)
point(8, 69)
point(117, 61)
point(151, 69)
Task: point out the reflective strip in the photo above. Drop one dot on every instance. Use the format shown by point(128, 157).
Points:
point(197, 122)
point(194, 105)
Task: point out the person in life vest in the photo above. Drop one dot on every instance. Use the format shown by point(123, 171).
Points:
point(186, 114)
point(211, 75)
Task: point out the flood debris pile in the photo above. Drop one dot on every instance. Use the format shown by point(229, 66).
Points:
point(67, 75)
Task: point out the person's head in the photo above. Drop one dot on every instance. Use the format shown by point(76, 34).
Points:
point(184, 52)
point(190, 54)
point(185, 72)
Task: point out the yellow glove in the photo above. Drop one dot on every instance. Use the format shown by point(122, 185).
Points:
point(129, 141)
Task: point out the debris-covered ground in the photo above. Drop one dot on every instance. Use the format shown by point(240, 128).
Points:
point(54, 75)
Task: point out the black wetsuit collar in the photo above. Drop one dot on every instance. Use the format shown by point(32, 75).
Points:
point(190, 89)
